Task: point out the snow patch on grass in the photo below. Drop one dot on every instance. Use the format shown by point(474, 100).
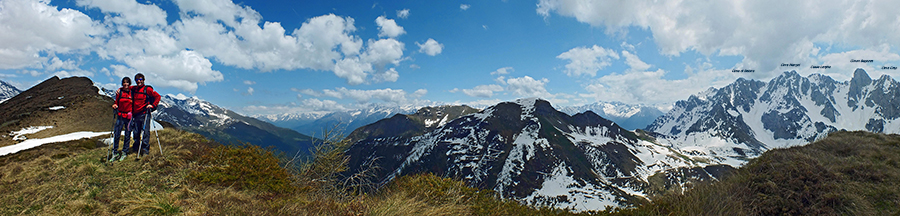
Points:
point(31, 143)
point(20, 135)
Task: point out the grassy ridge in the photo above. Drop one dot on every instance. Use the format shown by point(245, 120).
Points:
point(196, 176)
point(848, 173)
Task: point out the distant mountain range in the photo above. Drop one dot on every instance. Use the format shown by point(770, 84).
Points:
point(748, 117)
point(314, 124)
point(628, 116)
point(525, 150)
point(7, 91)
point(226, 126)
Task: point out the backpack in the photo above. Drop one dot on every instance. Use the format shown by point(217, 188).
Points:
point(119, 95)
point(147, 97)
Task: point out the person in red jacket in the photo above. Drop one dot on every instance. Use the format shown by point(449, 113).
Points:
point(145, 100)
point(123, 107)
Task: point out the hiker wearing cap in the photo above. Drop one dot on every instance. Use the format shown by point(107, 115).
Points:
point(123, 106)
point(145, 100)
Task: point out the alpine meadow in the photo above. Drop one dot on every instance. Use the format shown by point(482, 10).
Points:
point(361, 107)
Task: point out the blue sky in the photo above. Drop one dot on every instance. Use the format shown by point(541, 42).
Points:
point(265, 57)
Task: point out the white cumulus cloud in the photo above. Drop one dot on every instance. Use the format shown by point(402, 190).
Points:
point(587, 60)
point(322, 105)
point(388, 95)
point(528, 87)
point(765, 33)
point(184, 70)
point(650, 87)
point(33, 27)
point(503, 71)
point(430, 47)
point(128, 12)
point(403, 14)
point(485, 91)
point(388, 27)
point(634, 62)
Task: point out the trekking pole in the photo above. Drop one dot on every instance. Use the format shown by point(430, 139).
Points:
point(145, 127)
point(111, 138)
point(157, 137)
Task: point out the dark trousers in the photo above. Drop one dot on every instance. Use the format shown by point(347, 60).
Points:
point(122, 124)
point(141, 133)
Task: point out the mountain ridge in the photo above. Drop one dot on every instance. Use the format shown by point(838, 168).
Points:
point(748, 117)
point(226, 126)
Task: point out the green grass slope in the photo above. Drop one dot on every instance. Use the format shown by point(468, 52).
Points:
point(847, 173)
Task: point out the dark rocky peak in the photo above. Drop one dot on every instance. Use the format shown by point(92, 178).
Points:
point(588, 118)
point(860, 78)
point(591, 119)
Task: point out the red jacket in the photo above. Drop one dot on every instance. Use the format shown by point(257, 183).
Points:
point(143, 95)
point(123, 101)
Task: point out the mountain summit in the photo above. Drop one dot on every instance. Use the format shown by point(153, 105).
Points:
point(748, 117)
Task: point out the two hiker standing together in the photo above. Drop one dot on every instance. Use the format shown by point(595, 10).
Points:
point(133, 106)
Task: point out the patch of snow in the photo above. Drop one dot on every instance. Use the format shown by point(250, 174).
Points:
point(31, 143)
point(733, 113)
point(579, 197)
point(18, 135)
point(704, 145)
point(429, 122)
point(439, 122)
point(444, 120)
point(57, 108)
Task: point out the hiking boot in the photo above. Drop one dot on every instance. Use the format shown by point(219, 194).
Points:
point(122, 156)
point(112, 156)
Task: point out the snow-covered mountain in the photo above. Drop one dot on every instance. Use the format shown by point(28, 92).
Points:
point(7, 91)
point(629, 116)
point(528, 151)
point(313, 124)
point(748, 117)
point(199, 116)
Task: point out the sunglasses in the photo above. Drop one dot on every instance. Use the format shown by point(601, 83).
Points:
point(139, 79)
